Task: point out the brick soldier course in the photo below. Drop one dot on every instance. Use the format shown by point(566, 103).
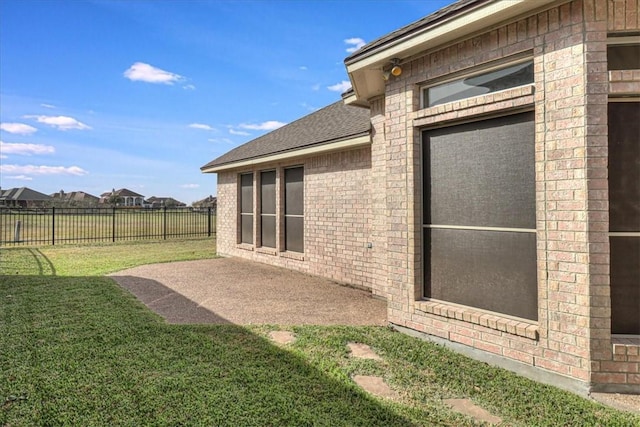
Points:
point(363, 182)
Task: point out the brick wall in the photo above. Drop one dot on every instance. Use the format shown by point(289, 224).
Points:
point(338, 204)
point(373, 195)
point(568, 43)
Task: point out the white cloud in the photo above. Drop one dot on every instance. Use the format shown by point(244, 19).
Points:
point(42, 170)
point(20, 177)
point(355, 44)
point(189, 87)
point(60, 122)
point(268, 125)
point(147, 73)
point(24, 149)
point(190, 186)
point(200, 126)
point(48, 106)
point(341, 87)
point(303, 68)
point(238, 132)
point(18, 128)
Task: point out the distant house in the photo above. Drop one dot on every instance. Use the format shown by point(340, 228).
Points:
point(74, 198)
point(482, 176)
point(23, 197)
point(159, 202)
point(207, 202)
point(122, 197)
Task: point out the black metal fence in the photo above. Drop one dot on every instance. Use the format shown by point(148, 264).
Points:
point(52, 226)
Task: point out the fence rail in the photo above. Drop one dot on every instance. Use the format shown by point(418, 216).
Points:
point(52, 226)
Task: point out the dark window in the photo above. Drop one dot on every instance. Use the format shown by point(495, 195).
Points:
point(624, 216)
point(625, 285)
point(479, 215)
point(624, 166)
point(246, 208)
point(486, 269)
point(479, 84)
point(623, 57)
point(294, 209)
point(268, 208)
point(482, 174)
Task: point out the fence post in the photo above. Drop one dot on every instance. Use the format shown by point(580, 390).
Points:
point(209, 221)
point(164, 218)
point(53, 226)
point(113, 224)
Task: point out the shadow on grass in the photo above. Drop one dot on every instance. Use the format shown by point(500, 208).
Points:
point(41, 259)
point(171, 305)
point(82, 351)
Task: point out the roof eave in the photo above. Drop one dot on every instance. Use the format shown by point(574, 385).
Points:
point(354, 141)
point(365, 70)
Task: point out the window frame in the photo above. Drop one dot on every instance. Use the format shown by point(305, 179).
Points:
point(264, 215)
point(474, 72)
point(427, 228)
point(285, 215)
point(621, 40)
point(241, 213)
point(620, 236)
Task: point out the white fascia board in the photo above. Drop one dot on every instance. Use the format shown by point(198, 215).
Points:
point(449, 30)
point(304, 152)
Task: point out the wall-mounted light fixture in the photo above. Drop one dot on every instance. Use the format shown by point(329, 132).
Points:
point(393, 69)
point(396, 70)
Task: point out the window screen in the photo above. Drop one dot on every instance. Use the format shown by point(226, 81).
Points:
point(624, 166)
point(485, 269)
point(294, 209)
point(481, 173)
point(268, 208)
point(246, 208)
point(625, 285)
point(623, 57)
point(624, 216)
point(479, 215)
point(479, 84)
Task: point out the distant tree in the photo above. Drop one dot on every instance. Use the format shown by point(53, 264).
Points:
point(114, 199)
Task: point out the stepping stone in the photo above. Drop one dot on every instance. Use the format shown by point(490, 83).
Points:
point(362, 351)
point(467, 407)
point(375, 386)
point(282, 337)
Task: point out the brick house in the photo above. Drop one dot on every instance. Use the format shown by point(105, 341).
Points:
point(124, 197)
point(483, 176)
point(74, 198)
point(23, 197)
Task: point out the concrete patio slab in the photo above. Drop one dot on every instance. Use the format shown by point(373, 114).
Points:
point(232, 290)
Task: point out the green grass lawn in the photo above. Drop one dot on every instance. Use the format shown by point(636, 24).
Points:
point(75, 349)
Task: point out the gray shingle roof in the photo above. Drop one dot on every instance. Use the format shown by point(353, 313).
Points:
point(417, 26)
point(23, 193)
point(334, 123)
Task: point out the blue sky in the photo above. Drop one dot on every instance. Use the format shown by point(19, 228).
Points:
point(96, 95)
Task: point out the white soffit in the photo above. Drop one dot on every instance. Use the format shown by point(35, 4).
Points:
point(360, 70)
